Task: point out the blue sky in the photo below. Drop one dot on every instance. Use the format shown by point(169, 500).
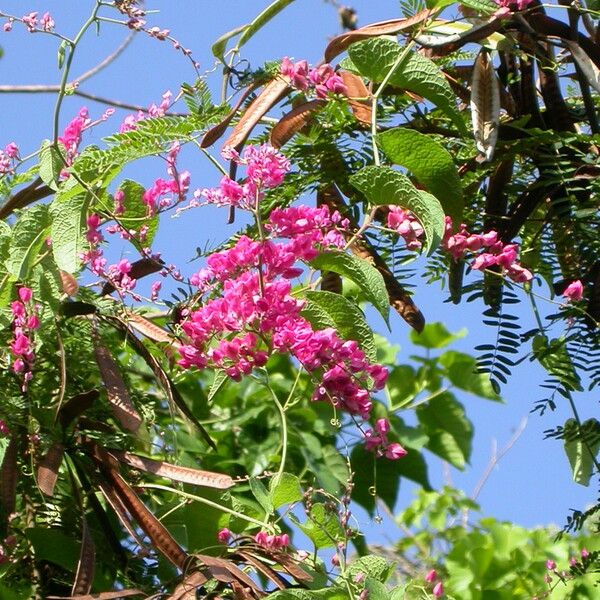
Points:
point(532, 484)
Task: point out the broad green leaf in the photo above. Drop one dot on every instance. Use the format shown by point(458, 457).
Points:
point(385, 185)
point(373, 566)
point(376, 589)
point(374, 58)
point(261, 493)
point(218, 48)
point(284, 490)
point(435, 335)
point(461, 370)
point(581, 447)
point(362, 273)
point(29, 235)
point(483, 7)
point(262, 19)
point(46, 283)
point(450, 432)
point(327, 309)
point(54, 546)
point(136, 215)
point(68, 231)
point(322, 527)
point(402, 386)
point(429, 162)
point(51, 164)
point(6, 279)
point(554, 357)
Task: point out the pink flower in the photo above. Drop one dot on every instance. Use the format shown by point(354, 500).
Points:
point(438, 590)
point(431, 576)
point(47, 22)
point(30, 21)
point(11, 150)
point(395, 451)
point(572, 561)
point(574, 291)
point(8, 25)
point(25, 294)
point(224, 535)
point(584, 553)
point(550, 565)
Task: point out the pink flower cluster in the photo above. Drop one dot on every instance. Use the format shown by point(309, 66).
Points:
point(248, 310)
point(323, 79)
point(494, 252)
point(30, 20)
point(25, 322)
point(265, 169)
point(130, 121)
point(376, 441)
point(407, 225)
point(71, 137)
point(505, 7)
point(272, 542)
point(8, 156)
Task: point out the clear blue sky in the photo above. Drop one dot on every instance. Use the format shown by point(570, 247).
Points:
point(532, 484)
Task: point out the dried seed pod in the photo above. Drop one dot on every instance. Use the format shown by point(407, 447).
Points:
point(485, 106)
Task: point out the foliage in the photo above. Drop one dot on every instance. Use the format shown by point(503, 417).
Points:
point(170, 439)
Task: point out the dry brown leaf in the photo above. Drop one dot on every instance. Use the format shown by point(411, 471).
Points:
point(48, 468)
point(261, 568)
point(485, 105)
point(339, 43)
point(358, 97)
point(174, 472)
point(586, 64)
point(291, 123)
point(186, 590)
point(118, 396)
point(84, 577)
point(218, 567)
point(268, 97)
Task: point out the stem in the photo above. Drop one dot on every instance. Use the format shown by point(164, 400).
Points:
point(284, 433)
point(67, 68)
point(235, 513)
point(398, 62)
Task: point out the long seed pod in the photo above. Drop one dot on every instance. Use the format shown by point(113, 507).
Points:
point(140, 268)
point(291, 123)
point(87, 563)
point(76, 406)
point(186, 590)
point(8, 478)
point(586, 64)
point(174, 472)
point(47, 473)
point(338, 44)
point(69, 283)
point(118, 396)
point(150, 330)
point(358, 97)
point(114, 595)
point(268, 97)
point(485, 106)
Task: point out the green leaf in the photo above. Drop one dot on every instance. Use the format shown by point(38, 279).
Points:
point(402, 386)
point(284, 490)
point(581, 447)
point(262, 19)
point(68, 231)
point(385, 185)
point(221, 378)
point(435, 335)
point(322, 527)
point(29, 234)
point(6, 279)
point(327, 309)
point(61, 53)
point(54, 546)
point(135, 215)
point(362, 273)
point(430, 163)
point(483, 7)
point(261, 493)
point(51, 164)
point(461, 370)
point(373, 566)
point(450, 432)
point(374, 58)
